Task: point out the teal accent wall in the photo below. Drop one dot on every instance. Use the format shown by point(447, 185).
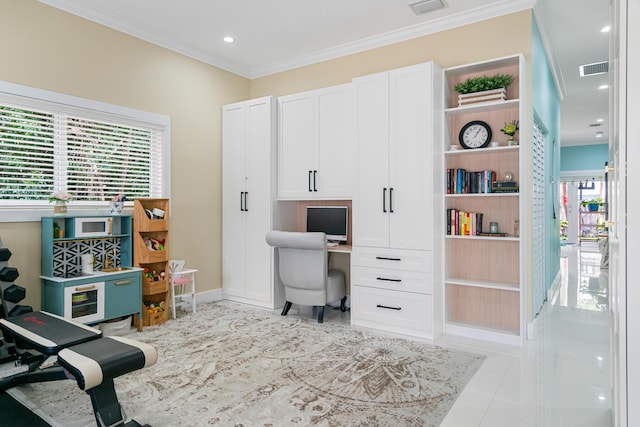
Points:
point(584, 157)
point(546, 107)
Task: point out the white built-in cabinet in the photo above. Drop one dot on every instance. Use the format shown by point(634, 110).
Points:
point(395, 204)
point(248, 192)
point(315, 144)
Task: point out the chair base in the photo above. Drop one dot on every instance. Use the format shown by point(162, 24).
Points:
point(319, 308)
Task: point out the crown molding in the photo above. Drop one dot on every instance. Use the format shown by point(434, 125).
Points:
point(471, 16)
point(467, 17)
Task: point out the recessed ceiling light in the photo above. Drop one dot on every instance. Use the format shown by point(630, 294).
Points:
point(600, 120)
point(605, 29)
point(598, 134)
point(603, 87)
point(228, 39)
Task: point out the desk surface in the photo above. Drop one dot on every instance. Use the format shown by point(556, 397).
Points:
point(345, 249)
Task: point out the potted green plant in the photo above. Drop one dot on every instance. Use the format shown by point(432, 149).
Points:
point(482, 83)
point(483, 89)
point(592, 205)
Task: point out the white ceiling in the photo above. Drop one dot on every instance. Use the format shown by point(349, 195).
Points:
point(276, 35)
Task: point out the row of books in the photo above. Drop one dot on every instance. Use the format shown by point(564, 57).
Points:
point(461, 181)
point(462, 223)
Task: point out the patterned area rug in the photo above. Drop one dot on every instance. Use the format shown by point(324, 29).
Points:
point(234, 365)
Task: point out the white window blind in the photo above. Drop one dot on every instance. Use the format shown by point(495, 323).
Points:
point(91, 151)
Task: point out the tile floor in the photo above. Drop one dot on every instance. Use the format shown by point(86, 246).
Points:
point(559, 379)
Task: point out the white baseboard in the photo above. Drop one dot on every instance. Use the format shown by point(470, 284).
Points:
point(209, 296)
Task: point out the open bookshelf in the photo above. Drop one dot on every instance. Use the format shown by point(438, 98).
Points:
point(483, 273)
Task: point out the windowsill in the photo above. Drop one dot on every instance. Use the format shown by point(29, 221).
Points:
point(35, 214)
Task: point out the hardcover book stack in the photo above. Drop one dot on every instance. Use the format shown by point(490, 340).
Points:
point(505, 187)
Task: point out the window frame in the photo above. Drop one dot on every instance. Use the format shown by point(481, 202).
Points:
point(28, 211)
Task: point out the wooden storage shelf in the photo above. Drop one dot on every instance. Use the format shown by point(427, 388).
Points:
point(146, 256)
point(157, 261)
point(150, 319)
point(154, 287)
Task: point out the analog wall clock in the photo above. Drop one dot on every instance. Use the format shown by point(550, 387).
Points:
point(475, 134)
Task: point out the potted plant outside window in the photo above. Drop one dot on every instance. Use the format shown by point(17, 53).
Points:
point(592, 205)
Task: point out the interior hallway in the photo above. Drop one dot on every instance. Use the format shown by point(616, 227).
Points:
point(560, 379)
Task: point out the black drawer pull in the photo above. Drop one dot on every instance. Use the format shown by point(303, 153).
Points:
point(388, 280)
point(384, 258)
point(389, 308)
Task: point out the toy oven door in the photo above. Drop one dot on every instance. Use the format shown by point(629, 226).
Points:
point(84, 303)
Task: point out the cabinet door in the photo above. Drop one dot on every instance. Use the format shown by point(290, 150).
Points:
point(411, 158)
point(260, 159)
point(334, 142)
point(370, 204)
point(295, 146)
point(234, 185)
point(122, 296)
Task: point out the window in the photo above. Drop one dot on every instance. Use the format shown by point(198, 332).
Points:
point(92, 151)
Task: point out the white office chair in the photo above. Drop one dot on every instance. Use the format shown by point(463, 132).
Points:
point(303, 268)
point(183, 285)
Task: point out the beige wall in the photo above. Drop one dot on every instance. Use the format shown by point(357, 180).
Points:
point(57, 51)
point(494, 38)
point(53, 50)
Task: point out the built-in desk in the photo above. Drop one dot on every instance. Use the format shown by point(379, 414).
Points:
point(340, 249)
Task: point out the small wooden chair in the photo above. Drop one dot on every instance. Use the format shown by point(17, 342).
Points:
point(183, 285)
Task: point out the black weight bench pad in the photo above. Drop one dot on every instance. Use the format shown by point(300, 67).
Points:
point(45, 332)
point(107, 358)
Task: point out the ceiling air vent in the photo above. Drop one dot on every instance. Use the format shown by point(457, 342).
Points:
point(593, 69)
point(426, 6)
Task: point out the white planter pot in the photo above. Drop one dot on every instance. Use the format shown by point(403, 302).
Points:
point(484, 96)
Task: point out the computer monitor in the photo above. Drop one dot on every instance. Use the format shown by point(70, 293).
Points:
point(331, 220)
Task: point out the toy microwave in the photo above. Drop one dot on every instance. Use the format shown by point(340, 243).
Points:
point(93, 226)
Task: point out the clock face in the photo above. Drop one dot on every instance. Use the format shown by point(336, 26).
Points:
point(475, 134)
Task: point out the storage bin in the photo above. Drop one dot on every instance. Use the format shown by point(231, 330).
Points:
point(119, 326)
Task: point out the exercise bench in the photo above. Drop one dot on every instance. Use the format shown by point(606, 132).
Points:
point(71, 350)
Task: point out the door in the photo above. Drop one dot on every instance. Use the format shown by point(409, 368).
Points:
point(411, 158)
point(371, 187)
point(295, 146)
point(233, 193)
point(334, 147)
point(257, 213)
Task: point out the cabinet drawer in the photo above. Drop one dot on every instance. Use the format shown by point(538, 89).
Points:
point(399, 280)
point(397, 259)
point(400, 312)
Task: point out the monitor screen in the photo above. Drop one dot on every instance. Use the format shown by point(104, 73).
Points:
point(331, 220)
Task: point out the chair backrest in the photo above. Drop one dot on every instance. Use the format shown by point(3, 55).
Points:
point(302, 259)
point(176, 265)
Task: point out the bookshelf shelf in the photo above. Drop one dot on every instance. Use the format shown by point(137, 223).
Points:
point(481, 150)
point(491, 238)
point(501, 194)
point(483, 107)
point(513, 287)
point(483, 292)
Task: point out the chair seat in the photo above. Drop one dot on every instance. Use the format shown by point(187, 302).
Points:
point(303, 270)
point(185, 281)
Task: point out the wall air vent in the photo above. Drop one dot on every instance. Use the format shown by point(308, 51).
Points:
point(593, 69)
point(426, 6)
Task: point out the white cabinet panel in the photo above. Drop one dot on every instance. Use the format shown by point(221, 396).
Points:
point(315, 155)
point(400, 312)
point(248, 158)
point(394, 161)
